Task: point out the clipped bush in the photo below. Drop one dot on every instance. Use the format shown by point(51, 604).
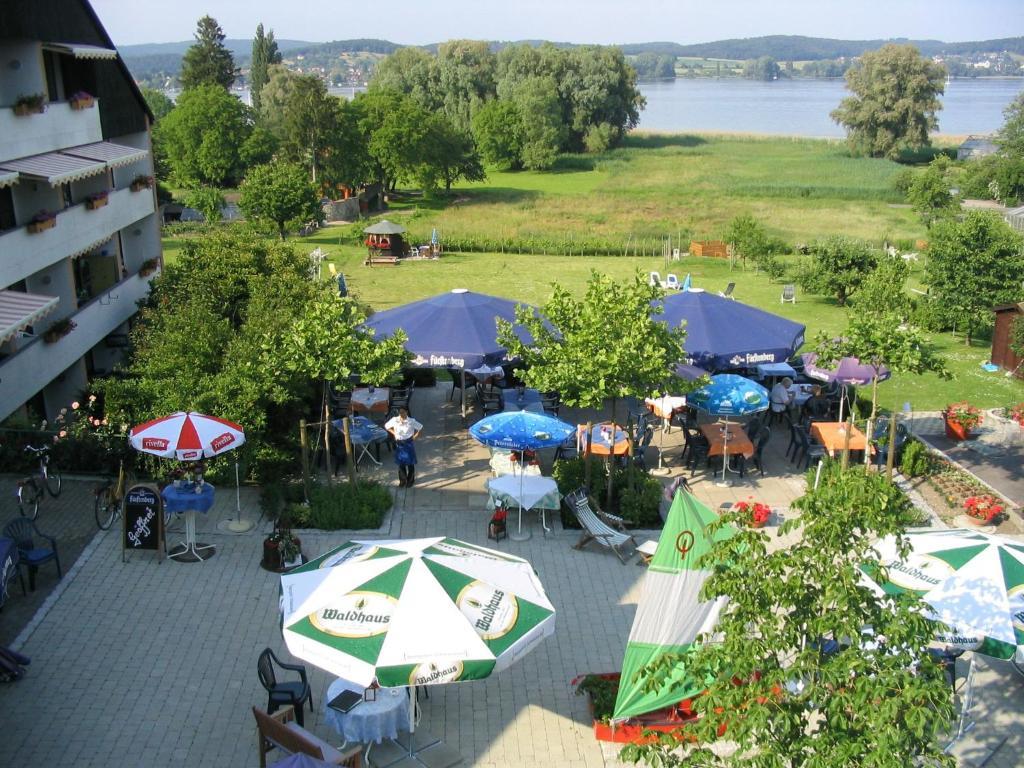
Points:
point(915, 461)
point(357, 506)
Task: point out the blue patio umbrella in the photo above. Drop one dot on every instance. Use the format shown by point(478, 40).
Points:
point(849, 370)
point(729, 395)
point(521, 431)
point(723, 334)
point(433, 236)
point(687, 283)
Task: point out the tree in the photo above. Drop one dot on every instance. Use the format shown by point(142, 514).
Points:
point(929, 191)
point(764, 68)
point(450, 155)
point(202, 136)
point(209, 201)
point(264, 53)
point(308, 122)
point(973, 264)
point(884, 290)
point(397, 127)
point(778, 692)
point(157, 102)
point(838, 267)
point(347, 161)
point(412, 71)
point(280, 193)
point(497, 131)
point(541, 128)
point(895, 99)
point(1011, 136)
point(207, 61)
point(597, 86)
point(750, 239)
point(466, 79)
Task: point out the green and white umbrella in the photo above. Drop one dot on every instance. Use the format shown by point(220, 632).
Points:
point(973, 583)
point(413, 611)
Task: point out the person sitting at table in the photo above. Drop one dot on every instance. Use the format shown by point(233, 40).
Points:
point(817, 405)
point(404, 429)
point(782, 396)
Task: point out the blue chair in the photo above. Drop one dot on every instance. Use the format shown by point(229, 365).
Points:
point(24, 532)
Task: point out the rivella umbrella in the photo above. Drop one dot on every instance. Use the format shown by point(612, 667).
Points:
point(973, 582)
point(849, 370)
point(670, 613)
point(729, 395)
point(723, 334)
point(414, 611)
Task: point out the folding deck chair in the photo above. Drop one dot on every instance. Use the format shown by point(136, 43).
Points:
point(595, 529)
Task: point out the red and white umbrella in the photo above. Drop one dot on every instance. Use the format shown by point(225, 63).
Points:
point(186, 436)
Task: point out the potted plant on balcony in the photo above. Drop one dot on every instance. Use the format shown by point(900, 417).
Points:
point(981, 509)
point(97, 200)
point(148, 267)
point(960, 419)
point(141, 182)
point(58, 330)
point(81, 100)
point(42, 221)
point(754, 513)
point(30, 104)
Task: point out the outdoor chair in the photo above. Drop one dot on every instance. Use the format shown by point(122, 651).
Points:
point(341, 402)
point(654, 279)
point(727, 293)
point(24, 532)
point(567, 449)
point(400, 397)
point(795, 444)
point(758, 458)
point(490, 402)
point(596, 529)
point(292, 693)
point(692, 440)
point(672, 282)
point(699, 450)
point(552, 403)
point(9, 568)
point(880, 439)
point(788, 294)
point(646, 434)
point(456, 376)
point(810, 449)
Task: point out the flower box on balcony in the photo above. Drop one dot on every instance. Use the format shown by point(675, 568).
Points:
point(96, 200)
point(148, 267)
point(81, 100)
point(140, 183)
point(41, 222)
point(58, 330)
point(34, 104)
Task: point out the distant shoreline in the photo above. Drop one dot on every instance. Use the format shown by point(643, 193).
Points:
point(944, 139)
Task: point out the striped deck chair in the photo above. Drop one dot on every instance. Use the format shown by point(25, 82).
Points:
point(596, 529)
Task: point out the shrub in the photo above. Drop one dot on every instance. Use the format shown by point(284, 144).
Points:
point(603, 692)
point(915, 461)
point(639, 501)
point(637, 495)
point(357, 506)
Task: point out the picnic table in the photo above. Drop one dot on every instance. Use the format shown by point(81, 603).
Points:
point(738, 443)
point(831, 435)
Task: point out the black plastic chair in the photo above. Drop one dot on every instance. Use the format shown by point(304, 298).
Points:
point(758, 457)
point(640, 451)
point(24, 533)
point(552, 403)
point(401, 397)
point(9, 560)
point(795, 445)
point(279, 694)
point(810, 448)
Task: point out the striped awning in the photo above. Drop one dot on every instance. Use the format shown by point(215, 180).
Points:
point(81, 51)
point(18, 310)
point(7, 178)
point(114, 155)
point(55, 168)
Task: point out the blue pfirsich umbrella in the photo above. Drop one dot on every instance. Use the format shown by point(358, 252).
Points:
point(521, 431)
point(729, 395)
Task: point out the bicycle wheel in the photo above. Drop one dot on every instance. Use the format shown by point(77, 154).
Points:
point(53, 482)
point(29, 495)
point(106, 507)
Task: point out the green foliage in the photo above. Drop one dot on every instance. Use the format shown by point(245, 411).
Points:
point(158, 103)
point(202, 135)
point(264, 53)
point(1017, 337)
point(763, 68)
point(280, 193)
point(894, 102)
point(571, 474)
point(974, 263)
point(351, 506)
point(650, 66)
point(208, 62)
point(542, 129)
point(497, 132)
point(1011, 136)
point(750, 239)
point(863, 705)
point(602, 692)
point(838, 268)
point(639, 498)
point(308, 125)
point(600, 137)
point(449, 155)
point(209, 201)
point(915, 461)
point(636, 496)
point(885, 289)
point(929, 191)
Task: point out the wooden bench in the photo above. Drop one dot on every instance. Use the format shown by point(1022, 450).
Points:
point(280, 730)
point(371, 260)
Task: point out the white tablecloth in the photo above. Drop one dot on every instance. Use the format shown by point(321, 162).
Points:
point(531, 491)
point(369, 721)
point(365, 400)
point(663, 407)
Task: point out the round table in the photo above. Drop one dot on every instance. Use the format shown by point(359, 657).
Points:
point(369, 722)
point(600, 442)
point(188, 499)
point(526, 491)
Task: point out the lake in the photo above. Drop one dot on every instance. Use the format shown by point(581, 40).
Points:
point(801, 107)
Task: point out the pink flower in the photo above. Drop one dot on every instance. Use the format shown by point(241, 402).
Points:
point(75, 405)
point(63, 433)
point(92, 398)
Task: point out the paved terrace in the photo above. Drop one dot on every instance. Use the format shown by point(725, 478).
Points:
point(147, 664)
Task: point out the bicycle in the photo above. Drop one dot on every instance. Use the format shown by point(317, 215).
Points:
point(108, 499)
point(31, 489)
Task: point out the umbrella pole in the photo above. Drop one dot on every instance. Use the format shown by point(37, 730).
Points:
point(661, 469)
point(238, 525)
point(724, 482)
point(462, 394)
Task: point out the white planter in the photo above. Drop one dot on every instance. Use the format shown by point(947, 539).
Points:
point(1003, 430)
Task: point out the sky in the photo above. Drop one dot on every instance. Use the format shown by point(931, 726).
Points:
point(417, 22)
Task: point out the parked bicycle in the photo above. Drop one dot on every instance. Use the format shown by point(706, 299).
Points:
point(109, 497)
point(33, 488)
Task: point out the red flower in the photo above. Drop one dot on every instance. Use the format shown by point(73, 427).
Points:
point(754, 512)
point(984, 507)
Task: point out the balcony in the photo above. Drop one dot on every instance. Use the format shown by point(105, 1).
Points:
point(77, 230)
point(37, 363)
point(58, 127)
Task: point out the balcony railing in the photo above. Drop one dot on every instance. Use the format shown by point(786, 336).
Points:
point(58, 127)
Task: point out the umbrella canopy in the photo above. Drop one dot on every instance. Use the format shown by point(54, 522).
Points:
point(722, 333)
point(730, 395)
point(670, 613)
point(384, 227)
point(413, 611)
point(972, 581)
point(521, 431)
point(688, 372)
point(186, 436)
point(456, 329)
point(850, 370)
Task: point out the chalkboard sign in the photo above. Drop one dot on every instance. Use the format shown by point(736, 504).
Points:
point(143, 520)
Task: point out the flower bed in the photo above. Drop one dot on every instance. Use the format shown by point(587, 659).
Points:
point(982, 509)
point(960, 418)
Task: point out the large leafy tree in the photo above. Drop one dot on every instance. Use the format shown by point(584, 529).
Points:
point(929, 191)
point(838, 267)
point(202, 135)
point(542, 130)
point(157, 102)
point(412, 71)
point(280, 193)
point(497, 130)
point(396, 127)
point(793, 678)
point(895, 99)
point(264, 54)
point(974, 263)
point(450, 155)
point(207, 61)
point(466, 79)
point(303, 117)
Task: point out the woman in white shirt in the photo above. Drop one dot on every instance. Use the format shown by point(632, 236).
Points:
point(404, 429)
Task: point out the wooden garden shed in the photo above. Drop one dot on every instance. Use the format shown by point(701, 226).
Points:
point(1002, 355)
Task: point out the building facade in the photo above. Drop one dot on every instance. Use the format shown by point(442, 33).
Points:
point(79, 231)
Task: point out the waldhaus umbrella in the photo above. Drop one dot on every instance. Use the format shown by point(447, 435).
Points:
point(413, 612)
point(729, 395)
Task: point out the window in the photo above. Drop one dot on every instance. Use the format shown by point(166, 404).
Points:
point(52, 86)
point(7, 220)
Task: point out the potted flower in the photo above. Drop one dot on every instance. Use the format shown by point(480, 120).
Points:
point(754, 513)
point(147, 267)
point(281, 547)
point(42, 221)
point(141, 182)
point(30, 104)
point(58, 330)
point(960, 418)
point(1016, 413)
point(81, 100)
point(981, 509)
point(97, 200)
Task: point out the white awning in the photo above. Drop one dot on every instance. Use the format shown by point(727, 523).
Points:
point(7, 178)
point(114, 155)
point(81, 51)
point(18, 310)
point(55, 168)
